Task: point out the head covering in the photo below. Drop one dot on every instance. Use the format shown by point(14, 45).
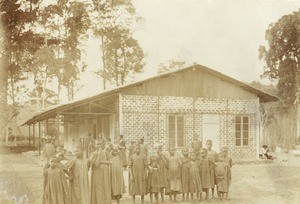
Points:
point(47, 137)
point(115, 149)
point(153, 158)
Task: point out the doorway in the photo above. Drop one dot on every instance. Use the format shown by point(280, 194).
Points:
point(211, 130)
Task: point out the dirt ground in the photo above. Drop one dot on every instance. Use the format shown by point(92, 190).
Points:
point(278, 182)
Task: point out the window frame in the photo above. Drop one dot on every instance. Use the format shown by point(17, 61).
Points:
point(242, 131)
point(176, 129)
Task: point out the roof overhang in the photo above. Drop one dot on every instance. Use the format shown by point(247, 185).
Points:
point(60, 109)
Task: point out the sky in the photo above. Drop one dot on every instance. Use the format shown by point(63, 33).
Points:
point(221, 34)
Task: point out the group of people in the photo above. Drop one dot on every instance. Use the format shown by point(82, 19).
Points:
point(192, 172)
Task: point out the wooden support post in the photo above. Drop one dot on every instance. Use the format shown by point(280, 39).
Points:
point(194, 117)
point(29, 134)
point(158, 121)
point(58, 128)
point(47, 126)
point(39, 138)
point(33, 140)
point(120, 114)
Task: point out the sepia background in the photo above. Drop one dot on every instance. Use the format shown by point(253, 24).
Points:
point(54, 52)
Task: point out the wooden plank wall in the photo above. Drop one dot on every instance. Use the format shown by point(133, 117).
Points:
point(193, 83)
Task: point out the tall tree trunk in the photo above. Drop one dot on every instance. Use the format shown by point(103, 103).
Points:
point(12, 88)
point(58, 92)
point(43, 95)
point(116, 68)
point(70, 90)
point(103, 62)
point(124, 72)
point(37, 94)
point(3, 93)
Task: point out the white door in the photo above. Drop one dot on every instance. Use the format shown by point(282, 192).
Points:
point(211, 130)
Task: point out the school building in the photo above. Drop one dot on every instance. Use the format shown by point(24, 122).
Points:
point(173, 107)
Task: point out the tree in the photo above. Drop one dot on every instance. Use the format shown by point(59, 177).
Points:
point(282, 56)
point(269, 88)
point(67, 21)
point(171, 65)
point(17, 39)
point(122, 55)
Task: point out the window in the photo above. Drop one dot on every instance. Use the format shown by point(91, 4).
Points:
point(176, 131)
point(242, 130)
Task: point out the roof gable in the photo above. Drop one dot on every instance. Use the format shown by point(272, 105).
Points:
point(263, 96)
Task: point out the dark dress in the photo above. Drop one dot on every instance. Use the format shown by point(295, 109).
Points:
point(204, 173)
point(79, 185)
point(163, 170)
point(55, 186)
point(101, 178)
point(137, 164)
point(153, 179)
point(117, 178)
point(195, 184)
point(185, 174)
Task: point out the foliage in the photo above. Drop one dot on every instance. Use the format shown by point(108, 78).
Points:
point(17, 40)
point(122, 54)
point(171, 65)
point(269, 88)
point(282, 55)
point(67, 22)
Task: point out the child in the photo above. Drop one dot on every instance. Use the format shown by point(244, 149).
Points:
point(122, 151)
point(204, 171)
point(86, 142)
point(221, 176)
point(212, 156)
point(195, 185)
point(228, 161)
point(131, 149)
point(163, 165)
point(264, 153)
point(101, 175)
point(130, 153)
point(108, 149)
point(138, 169)
point(118, 186)
point(55, 184)
point(196, 146)
point(48, 150)
point(91, 148)
point(174, 175)
point(184, 163)
point(153, 179)
point(77, 169)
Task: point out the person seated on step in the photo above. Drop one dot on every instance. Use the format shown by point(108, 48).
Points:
point(265, 153)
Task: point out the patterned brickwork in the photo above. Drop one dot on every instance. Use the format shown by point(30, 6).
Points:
point(207, 105)
point(238, 106)
point(198, 125)
point(142, 104)
point(147, 116)
point(138, 125)
point(223, 131)
point(172, 104)
point(163, 130)
point(189, 132)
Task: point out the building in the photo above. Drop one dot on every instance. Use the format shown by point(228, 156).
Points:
point(173, 108)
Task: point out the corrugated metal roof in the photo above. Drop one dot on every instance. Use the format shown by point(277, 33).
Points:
point(55, 110)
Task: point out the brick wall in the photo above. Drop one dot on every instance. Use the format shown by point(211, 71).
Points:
point(147, 116)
